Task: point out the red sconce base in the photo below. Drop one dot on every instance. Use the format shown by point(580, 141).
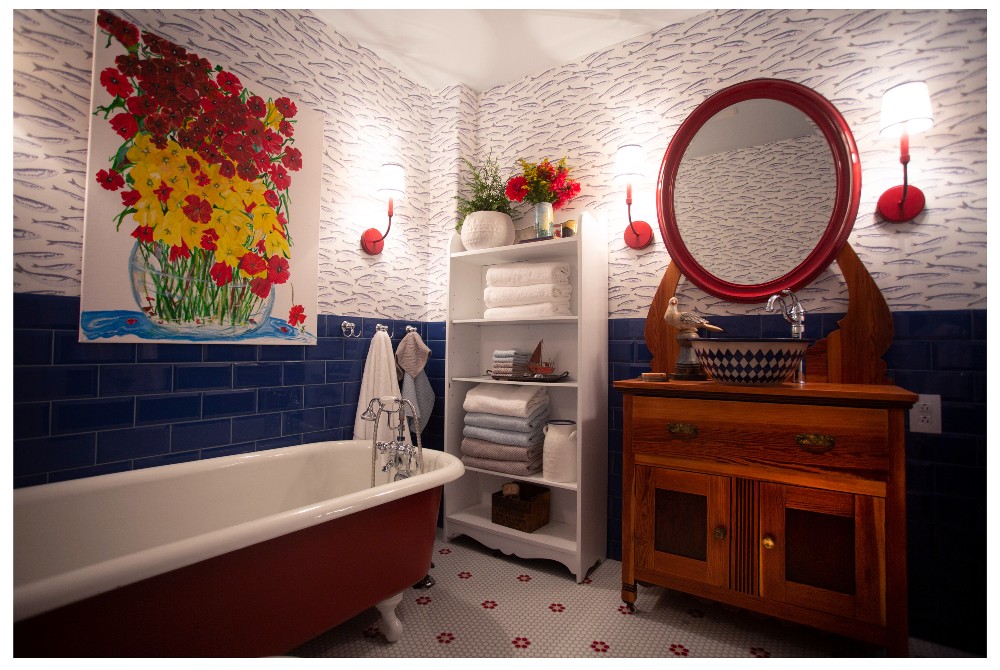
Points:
point(638, 235)
point(372, 242)
point(894, 211)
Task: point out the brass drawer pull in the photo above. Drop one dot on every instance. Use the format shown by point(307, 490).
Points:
point(720, 533)
point(768, 542)
point(684, 431)
point(815, 443)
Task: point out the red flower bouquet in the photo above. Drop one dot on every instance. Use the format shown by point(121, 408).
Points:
point(543, 182)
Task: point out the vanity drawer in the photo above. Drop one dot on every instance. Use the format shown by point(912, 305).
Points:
point(831, 439)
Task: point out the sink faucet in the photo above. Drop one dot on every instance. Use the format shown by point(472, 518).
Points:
point(795, 315)
point(399, 453)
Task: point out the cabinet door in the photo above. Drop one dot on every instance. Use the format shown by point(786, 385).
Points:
point(824, 550)
point(682, 524)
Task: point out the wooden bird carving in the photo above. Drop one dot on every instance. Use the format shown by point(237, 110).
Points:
point(686, 322)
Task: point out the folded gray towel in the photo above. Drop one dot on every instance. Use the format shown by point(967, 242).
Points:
point(506, 467)
point(505, 436)
point(517, 424)
point(500, 452)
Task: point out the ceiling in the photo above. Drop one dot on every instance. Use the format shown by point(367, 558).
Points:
point(483, 48)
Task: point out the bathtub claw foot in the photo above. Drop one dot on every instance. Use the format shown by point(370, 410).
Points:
point(392, 627)
point(425, 583)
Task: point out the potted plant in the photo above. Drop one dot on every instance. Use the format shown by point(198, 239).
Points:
point(483, 207)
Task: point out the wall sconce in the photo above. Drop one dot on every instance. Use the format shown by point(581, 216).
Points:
point(391, 184)
point(906, 110)
point(628, 162)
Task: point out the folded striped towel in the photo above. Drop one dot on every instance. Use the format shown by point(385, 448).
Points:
point(510, 437)
point(516, 424)
point(510, 354)
point(500, 452)
point(527, 273)
point(507, 467)
point(510, 296)
point(506, 399)
point(538, 309)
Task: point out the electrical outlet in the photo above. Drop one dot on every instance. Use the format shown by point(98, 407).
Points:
point(925, 415)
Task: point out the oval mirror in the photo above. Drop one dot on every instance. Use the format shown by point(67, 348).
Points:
point(758, 190)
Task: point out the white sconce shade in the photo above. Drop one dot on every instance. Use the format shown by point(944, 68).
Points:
point(628, 163)
point(391, 181)
point(906, 107)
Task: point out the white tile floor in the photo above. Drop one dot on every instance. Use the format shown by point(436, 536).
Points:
point(487, 605)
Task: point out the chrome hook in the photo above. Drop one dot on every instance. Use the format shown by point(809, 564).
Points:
point(348, 329)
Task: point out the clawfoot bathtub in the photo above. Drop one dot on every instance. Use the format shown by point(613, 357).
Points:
point(247, 555)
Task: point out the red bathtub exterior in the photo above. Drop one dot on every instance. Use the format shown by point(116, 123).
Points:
point(262, 600)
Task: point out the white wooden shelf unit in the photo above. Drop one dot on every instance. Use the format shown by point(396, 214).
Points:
point(576, 534)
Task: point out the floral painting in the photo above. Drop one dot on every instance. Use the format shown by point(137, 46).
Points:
point(202, 210)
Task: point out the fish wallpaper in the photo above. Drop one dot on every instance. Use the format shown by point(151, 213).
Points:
point(638, 91)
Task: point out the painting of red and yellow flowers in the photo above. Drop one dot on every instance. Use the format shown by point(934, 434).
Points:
point(202, 210)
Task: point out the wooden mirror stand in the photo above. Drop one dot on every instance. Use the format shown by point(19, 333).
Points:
point(851, 354)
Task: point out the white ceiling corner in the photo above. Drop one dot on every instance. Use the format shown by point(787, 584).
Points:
point(483, 48)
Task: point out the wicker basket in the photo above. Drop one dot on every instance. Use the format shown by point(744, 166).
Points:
point(527, 512)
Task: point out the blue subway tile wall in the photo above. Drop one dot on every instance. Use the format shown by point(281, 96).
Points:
point(941, 353)
point(86, 409)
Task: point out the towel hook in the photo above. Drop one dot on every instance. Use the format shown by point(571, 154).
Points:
point(411, 329)
point(379, 326)
point(348, 329)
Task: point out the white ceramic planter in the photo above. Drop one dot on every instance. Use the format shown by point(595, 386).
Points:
point(484, 230)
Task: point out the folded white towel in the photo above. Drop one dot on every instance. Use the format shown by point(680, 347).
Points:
point(510, 296)
point(538, 309)
point(524, 274)
point(506, 399)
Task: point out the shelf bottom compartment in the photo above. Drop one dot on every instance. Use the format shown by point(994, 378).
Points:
point(554, 537)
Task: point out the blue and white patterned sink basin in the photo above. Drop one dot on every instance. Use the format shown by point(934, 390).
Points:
point(750, 362)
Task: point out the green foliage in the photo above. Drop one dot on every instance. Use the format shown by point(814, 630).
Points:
point(483, 191)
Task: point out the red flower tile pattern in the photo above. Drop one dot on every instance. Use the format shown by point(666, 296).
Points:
point(524, 578)
point(372, 631)
point(423, 600)
point(445, 638)
point(464, 575)
point(444, 551)
point(623, 609)
point(759, 652)
point(678, 650)
point(489, 604)
point(600, 646)
point(557, 607)
point(521, 642)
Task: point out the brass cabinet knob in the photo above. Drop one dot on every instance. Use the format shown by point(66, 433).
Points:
point(720, 533)
point(684, 431)
point(768, 542)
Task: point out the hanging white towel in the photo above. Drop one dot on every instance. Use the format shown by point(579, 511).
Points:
point(378, 380)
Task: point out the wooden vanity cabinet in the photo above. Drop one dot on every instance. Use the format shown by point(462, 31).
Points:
point(786, 500)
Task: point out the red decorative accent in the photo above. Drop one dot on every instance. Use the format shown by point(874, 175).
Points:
point(521, 642)
point(847, 167)
point(464, 575)
point(372, 241)
point(638, 235)
point(445, 638)
point(524, 578)
point(600, 646)
point(489, 604)
point(894, 209)
point(678, 650)
point(557, 607)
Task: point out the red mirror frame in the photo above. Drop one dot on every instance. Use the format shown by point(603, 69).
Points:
point(847, 166)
